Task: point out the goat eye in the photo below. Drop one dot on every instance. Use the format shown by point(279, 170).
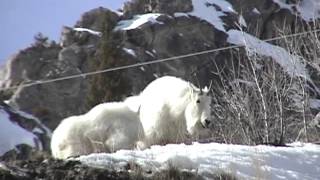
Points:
point(198, 101)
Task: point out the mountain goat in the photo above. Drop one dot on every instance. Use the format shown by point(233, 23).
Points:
point(171, 110)
point(107, 127)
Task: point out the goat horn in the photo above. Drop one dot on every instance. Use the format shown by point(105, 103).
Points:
point(201, 92)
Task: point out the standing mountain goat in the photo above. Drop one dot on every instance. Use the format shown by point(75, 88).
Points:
point(170, 110)
point(107, 127)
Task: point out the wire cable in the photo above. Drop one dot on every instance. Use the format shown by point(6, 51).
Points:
point(179, 57)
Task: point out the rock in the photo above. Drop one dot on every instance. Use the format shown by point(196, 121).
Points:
point(50, 102)
point(27, 64)
point(176, 37)
point(169, 7)
point(22, 124)
point(44, 167)
point(67, 36)
point(73, 55)
point(95, 18)
point(156, 6)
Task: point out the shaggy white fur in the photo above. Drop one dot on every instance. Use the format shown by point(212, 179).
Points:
point(170, 109)
point(107, 127)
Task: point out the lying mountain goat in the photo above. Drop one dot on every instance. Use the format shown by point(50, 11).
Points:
point(107, 127)
point(170, 110)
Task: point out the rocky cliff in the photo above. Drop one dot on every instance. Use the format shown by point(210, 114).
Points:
point(248, 81)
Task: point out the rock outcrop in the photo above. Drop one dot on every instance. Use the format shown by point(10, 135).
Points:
point(51, 102)
point(25, 132)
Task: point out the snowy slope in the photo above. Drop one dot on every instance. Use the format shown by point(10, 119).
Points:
point(301, 161)
point(12, 134)
point(290, 63)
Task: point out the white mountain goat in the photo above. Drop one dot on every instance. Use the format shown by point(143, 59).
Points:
point(171, 110)
point(107, 127)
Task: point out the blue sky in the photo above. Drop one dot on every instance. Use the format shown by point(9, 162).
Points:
point(20, 20)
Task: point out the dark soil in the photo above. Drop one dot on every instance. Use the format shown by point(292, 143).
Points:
point(27, 164)
point(54, 169)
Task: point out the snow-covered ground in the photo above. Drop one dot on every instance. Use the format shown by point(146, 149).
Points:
point(12, 134)
point(299, 161)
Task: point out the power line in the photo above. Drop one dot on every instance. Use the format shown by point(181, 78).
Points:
point(180, 57)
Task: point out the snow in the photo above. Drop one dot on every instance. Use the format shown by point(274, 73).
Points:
point(307, 9)
point(96, 33)
point(12, 134)
point(137, 21)
point(149, 53)
point(204, 10)
point(130, 51)
point(255, 10)
point(290, 63)
point(315, 103)
point(142, 68)
point(179, 14)
point(154, 51)
point(300, 161)
point(29, 116)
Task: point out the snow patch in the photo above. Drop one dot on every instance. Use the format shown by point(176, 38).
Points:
point(309, 10)
point(256, 11)
point(208, 10)
point(142, 68)
point(96, 33)
point(290, 63)
point(205, 9)
point(300, 161)
point(155, 75)
point(137, 21)
point(315, 103)
point(130, 51)
point(178, 14)
point(149, 53)
point(12, 134)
